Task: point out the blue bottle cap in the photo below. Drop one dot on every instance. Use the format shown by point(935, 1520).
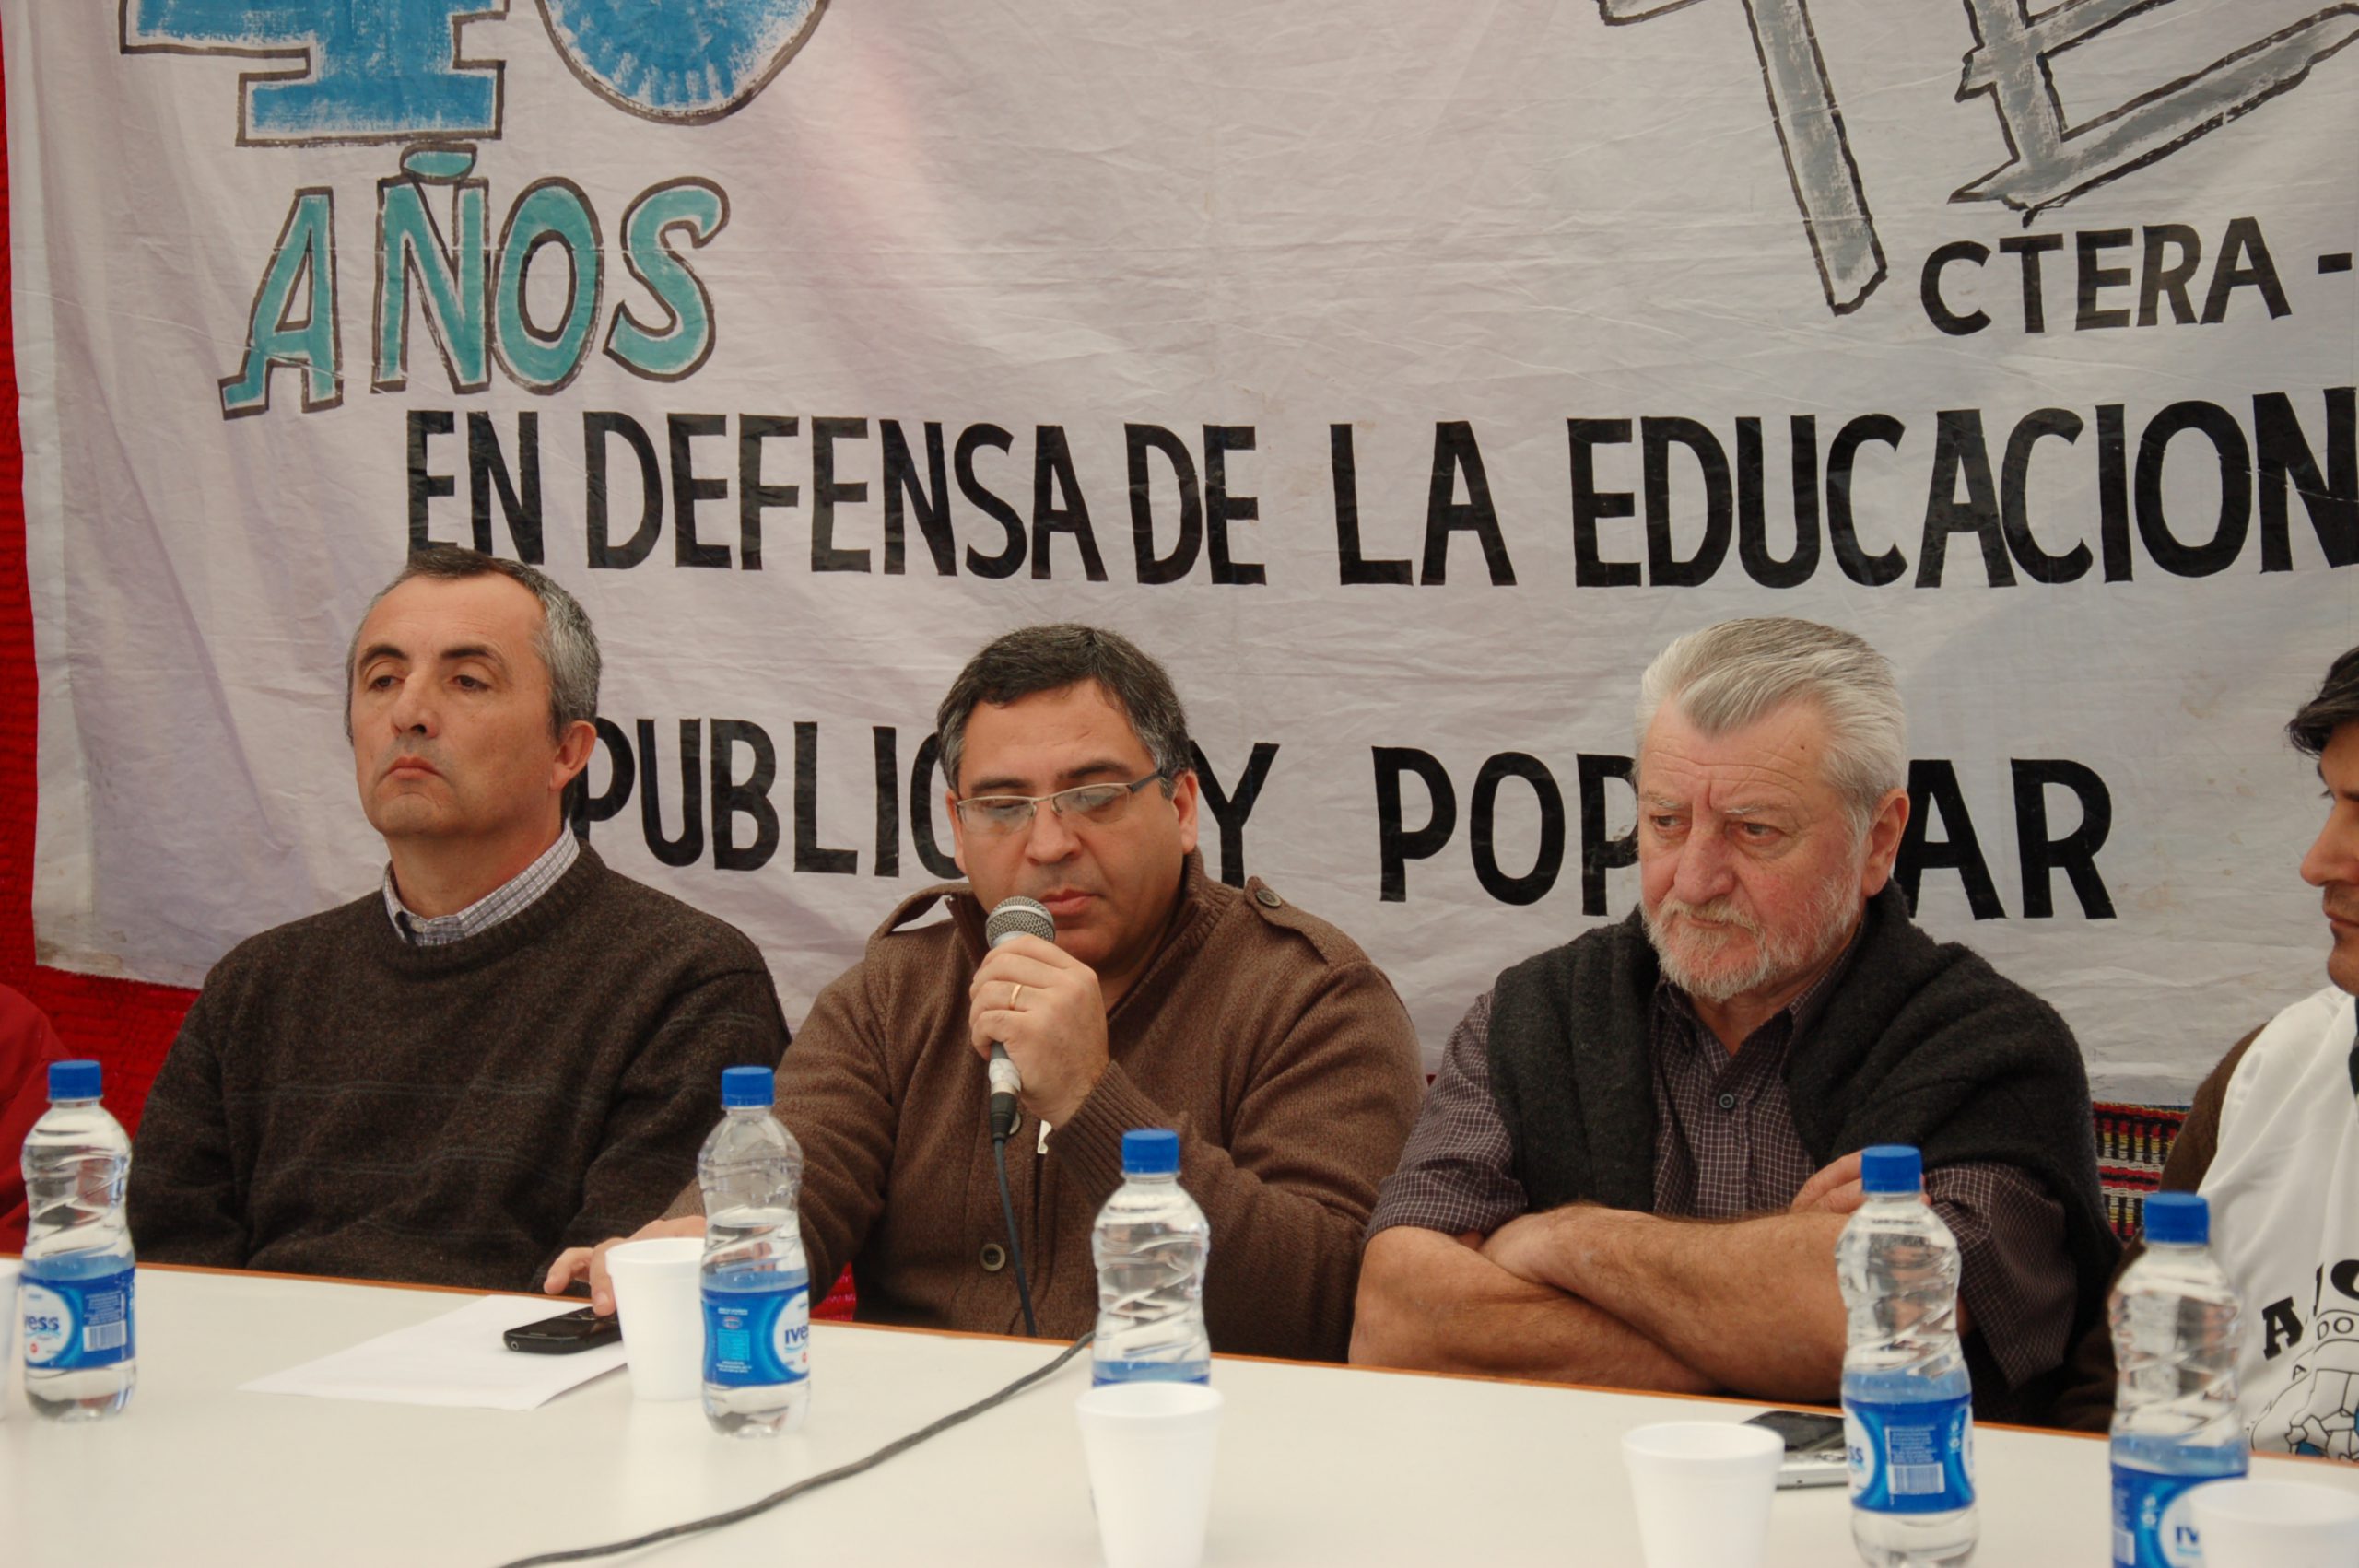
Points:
point(1892, 1167)
point(72, 1079)
point(1150, 1150)
point(2179, 1219)
point(746, 1086)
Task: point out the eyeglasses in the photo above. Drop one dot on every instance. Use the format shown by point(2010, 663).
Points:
point(995, 814)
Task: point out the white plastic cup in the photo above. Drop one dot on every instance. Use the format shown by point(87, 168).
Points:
point(10, 1269)
point(1150, 1448)
point(1703, 1490)
point(2275, 1524)
point(659, 1298)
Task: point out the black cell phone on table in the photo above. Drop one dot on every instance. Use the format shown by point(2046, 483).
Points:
point(1815, 1454)
point(564, 1334)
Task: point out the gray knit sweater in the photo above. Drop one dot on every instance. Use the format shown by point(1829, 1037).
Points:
point(340, 1102)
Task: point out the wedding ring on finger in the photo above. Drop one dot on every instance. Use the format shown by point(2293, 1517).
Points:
point(1014, 996)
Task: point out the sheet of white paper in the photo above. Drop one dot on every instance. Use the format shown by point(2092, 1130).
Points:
point(456, 1359)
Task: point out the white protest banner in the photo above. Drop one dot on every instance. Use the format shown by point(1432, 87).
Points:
point(1404, 375)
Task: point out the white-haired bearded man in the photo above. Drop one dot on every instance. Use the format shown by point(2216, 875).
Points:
point(1644, 1142)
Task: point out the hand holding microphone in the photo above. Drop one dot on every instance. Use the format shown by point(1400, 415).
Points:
point(1034, 996)
point(1021, 937)
point(1014, 917)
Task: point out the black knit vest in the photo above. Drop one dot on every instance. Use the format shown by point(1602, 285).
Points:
point(1921, 1043)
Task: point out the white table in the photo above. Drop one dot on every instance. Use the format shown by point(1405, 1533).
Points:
point(1319, 1465)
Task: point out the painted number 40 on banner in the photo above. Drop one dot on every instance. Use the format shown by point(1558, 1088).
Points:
point(379, 70)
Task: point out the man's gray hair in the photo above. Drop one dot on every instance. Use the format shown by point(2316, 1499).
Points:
point(1047, 659)
point(1724, 677)
point(568, 649)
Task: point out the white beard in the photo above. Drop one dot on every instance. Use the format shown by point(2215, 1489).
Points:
point(1686, 950)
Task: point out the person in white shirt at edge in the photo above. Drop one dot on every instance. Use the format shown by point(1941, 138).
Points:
point(2272, 1142)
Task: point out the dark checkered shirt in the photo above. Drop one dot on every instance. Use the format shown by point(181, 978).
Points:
point(1725, 1146)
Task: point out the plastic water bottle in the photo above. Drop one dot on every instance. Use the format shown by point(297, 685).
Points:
point(2175, 1427)
point(1151, 1243)
point(1908, 1415)
point(756, 1284)
point(77, 1292)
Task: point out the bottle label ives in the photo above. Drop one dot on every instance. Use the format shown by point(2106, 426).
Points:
point(1916, 1458)
point(756, 1338)
point(2154, 1526)
point(75, 1325)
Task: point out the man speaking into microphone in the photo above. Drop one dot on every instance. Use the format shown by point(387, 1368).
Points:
point(1265, 1036)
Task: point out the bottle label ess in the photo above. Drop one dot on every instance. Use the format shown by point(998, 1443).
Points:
point(1910, 1459)
point(2154, 1526)
point(756, 1338)
point(77, 1325)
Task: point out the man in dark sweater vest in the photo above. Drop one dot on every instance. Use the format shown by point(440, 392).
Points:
point(506, 1048)
point(1643, 1144)
point(1263, 1034)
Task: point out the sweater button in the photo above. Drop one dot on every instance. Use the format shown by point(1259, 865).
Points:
point(994, 1257)
point(1267, 898)
point(1727, 1102)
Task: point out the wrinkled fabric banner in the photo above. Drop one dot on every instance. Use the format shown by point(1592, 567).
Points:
point(1403, 376)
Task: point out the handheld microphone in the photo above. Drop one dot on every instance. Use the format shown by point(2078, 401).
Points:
point(1011, 918)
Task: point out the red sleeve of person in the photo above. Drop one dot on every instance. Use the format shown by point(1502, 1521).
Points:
point(28, 1045)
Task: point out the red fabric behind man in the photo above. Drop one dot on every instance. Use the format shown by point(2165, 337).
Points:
point(125, 1025)
point(28, 1045)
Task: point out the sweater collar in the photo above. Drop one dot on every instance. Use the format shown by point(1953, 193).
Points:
point(510, 898)
point(517, 931)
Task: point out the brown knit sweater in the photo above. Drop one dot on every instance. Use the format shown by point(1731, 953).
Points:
point(340, 1102)
point(1265, 1036)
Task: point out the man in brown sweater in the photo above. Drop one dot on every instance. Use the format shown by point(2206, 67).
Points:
point(504, 1050)
point(1265, 1036)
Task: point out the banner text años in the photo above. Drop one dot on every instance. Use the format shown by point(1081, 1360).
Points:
point(470, 295)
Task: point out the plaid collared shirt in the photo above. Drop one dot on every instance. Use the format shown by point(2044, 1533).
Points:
point(511, 897)
point(1726, 1146)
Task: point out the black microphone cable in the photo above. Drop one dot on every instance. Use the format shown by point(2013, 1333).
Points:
point(811, 1483)
point(1011, 918)
point(1015, 1245)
